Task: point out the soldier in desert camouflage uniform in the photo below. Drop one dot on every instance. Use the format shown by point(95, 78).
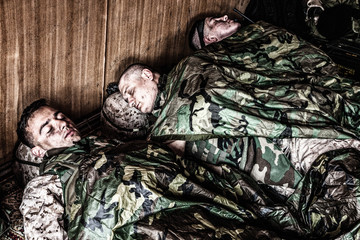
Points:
point(43, 128)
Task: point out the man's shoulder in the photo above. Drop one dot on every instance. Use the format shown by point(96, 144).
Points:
point(41, 182)
point(254, 33)
point(259, 27)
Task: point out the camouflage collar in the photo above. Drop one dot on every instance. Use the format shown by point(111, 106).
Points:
point(160, 98)
point(55, 151)
point(81, 146)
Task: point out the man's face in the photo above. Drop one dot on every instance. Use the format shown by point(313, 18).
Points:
point(52, 129)
point(140, 93)
point(219, 28)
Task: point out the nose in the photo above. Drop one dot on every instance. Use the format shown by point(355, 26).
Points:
point(61, 123)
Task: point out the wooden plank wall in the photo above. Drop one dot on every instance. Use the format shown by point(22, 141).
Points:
point(67, 51)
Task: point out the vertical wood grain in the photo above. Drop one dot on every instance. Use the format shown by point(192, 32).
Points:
point(51, 49)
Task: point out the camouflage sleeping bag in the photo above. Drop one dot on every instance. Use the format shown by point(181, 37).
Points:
point(263, 81)
point(143, 191)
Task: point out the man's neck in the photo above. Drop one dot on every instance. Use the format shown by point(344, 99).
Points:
point(156, 77)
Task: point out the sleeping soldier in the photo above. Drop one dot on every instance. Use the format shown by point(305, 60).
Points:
point(143, 89)
point(291, 15)
point(313, 20)
point(94, 188)
point(194, 101)
point(43, 128)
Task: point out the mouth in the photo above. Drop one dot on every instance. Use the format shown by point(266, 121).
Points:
point(69, 133)
point(135, 105)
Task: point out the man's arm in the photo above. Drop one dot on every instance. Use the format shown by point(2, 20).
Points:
point(42, 209)
point(178, 146)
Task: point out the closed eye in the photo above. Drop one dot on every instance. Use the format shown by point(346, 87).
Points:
point(129, 92)
point(125, 93)
point(211, 21)
point(49, 132)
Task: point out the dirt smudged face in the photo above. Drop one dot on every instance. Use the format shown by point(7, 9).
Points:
point(217, 29)
point(50, 129)
point(140, 93)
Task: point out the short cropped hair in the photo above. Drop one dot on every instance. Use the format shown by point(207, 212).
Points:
point(133, 70)
point(24, 135)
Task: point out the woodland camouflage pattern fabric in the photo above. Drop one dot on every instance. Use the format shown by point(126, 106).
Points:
point(249, 154)
point(262, 81)
point(143, 191)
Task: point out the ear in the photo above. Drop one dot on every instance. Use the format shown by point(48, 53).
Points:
point(38, 151)
point(147, 74)
point(210, 39)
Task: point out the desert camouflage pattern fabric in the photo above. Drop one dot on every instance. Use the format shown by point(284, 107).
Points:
point(42, 200)
point(142, 190)
point(121, 121)
point(262, 81)
point(26, 164)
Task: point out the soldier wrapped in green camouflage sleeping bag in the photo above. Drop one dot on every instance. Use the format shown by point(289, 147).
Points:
point(262, 81)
